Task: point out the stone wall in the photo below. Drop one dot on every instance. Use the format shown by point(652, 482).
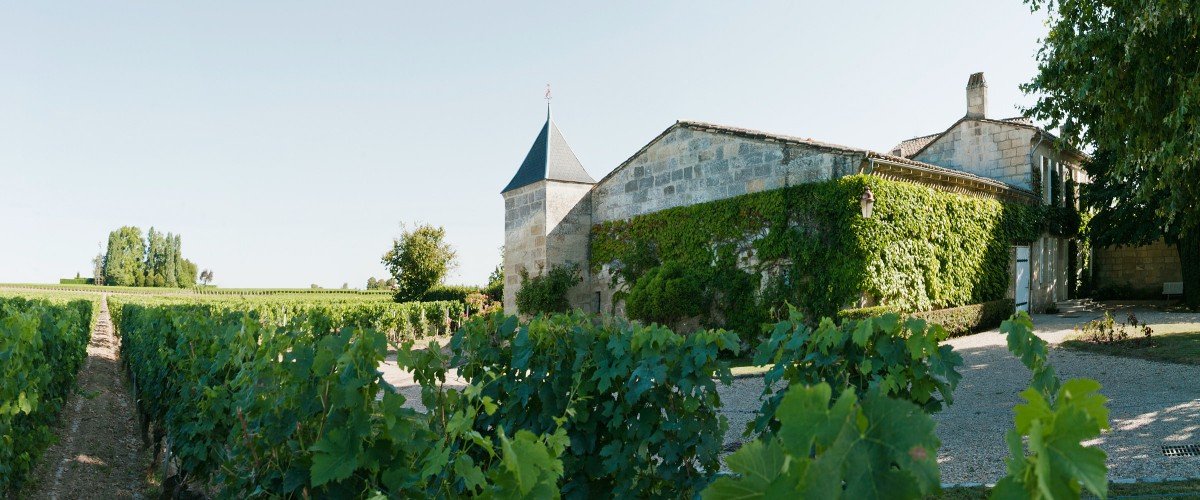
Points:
point(1143, 269)
point(569, 226)
point(688, 166)
point(524, 237)
point(984, 148)
point(546, 224)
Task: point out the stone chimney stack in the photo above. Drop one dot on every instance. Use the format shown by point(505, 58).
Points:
point(976, 96)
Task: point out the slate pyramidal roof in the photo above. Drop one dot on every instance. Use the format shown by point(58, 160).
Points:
point(550, 158)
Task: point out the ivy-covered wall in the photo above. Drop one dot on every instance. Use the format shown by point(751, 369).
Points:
point(808, 245)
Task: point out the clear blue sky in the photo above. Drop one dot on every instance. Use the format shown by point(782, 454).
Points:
point(287, 141)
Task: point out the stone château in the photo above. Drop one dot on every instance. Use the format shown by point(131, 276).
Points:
point(552, 203)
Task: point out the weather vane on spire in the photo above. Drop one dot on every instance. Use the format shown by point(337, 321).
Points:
point(548, 97)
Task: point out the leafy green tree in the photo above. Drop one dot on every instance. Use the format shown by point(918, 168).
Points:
point(380, 283)
point(156, 260)
point(495, 287)
point(419, 259)
point(1123, 77)
point(152, 264)
point(123, 262)
point(186, 273)
point(497, 274)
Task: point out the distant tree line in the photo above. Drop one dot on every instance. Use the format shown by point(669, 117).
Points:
point(153, 260)
point(381, 283)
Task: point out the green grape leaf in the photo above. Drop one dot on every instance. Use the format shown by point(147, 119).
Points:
point(881, 448)
point(465, 469)
point(527, 458)
point(335, 458)
point(863, 332)
point(1062, 461)
point(759, 464)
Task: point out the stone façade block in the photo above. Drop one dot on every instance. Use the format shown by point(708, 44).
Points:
point(699, 166)
point(984, 149)
point(1141, 267)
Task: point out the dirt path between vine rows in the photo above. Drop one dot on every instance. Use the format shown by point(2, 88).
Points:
point(99, 451)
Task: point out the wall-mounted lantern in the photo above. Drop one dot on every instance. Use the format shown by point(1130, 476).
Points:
point(867, 203)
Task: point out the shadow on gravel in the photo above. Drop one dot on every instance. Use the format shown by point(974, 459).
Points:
point(1151, 405)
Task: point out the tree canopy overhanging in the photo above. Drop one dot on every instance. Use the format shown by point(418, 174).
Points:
point(1122, 78)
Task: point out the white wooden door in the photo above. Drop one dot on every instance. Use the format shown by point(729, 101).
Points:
point(1022, 277)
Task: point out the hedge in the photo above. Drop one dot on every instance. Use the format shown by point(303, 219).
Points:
point(922, 249)
point(547, 292)
point(668, 294)
point(449, 292)
point(956, 321)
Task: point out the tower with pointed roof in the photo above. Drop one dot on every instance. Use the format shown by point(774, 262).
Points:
point(547, 214)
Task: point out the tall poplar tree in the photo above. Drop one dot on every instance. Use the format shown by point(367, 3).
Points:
point(156, 260)
point(170, 261)
point(123, 260)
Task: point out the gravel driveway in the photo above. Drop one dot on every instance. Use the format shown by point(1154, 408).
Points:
point(1151, 404)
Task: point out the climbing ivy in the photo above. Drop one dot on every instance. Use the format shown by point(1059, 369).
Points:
point(547, 292)
point(809, 246)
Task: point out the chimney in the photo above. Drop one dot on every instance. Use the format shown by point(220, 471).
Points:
point(976, 96)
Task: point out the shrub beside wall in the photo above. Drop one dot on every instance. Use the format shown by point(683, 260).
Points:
point(547, 293)
point(667, 294)
point(922, 249)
